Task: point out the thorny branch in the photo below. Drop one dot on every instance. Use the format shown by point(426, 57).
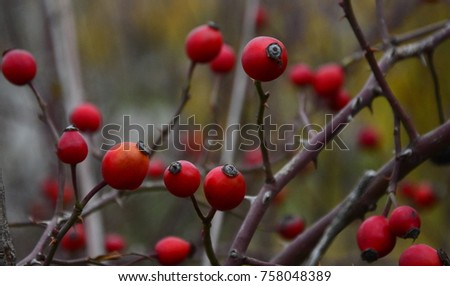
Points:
point(424, 148)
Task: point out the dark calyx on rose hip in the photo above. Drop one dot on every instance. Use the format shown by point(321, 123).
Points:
point(274, 52)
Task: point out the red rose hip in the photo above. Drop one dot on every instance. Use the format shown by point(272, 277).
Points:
point(290, 227)
point(114, 242)
point(125, 165)
point(328, 80)
point(264, 58)
point(301, 75)
point(156, 168)
point(225, 61)
point(172, 250)
point(72, 148)
point(224, 187)
point(74, 239)
point(182, 178)
point(86, 117)
point(404, 222)
point(369, 138)
point(374, 238)
point(420, 255)
point(203, 43)
point(18, 66)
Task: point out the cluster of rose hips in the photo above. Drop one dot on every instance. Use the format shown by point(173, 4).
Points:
point(376, 238)
point(224, 186)
point(127, 164)
point(327, 82)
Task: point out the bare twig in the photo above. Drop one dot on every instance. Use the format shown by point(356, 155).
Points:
point(185, 96)
point(382, 25)
point(378, 74)
point(437, 91)
point(392, 187)
point(45, 116)
point(263, 97)
point(71, 221)
point(339, 222)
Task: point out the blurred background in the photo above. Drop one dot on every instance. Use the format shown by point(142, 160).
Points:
point(127, 57)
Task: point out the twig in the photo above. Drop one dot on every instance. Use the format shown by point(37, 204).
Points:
point(207, 242)
point(263, 97)
point(246, 260)
point(382, 25)
point(392, 187)
point(420, 32)
point(387, 92)
point(73, 172)
point(115, 195)
point(71, 221)
point(185, 96)
point(45, 117)
point(206, 221)
point(437, 92)
point(339, 222)
point(7, 251)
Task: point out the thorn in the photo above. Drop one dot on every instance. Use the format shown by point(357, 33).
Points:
point(423, 59)
point(266, 105)
point(119, 202)
point(369, 106)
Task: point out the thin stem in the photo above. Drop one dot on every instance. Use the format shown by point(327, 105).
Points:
point(45, 115)
point(387, 92)
point(197, 208)
point(77, 262)
point(420, 32)
point(381, 20)
point(263, 97)
point(116, 196)
point(73, 171)
point(185, 96)
point(437, 92)
point(393, 182)
point(207, 242)
point(71, 221)
point(206, 221)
